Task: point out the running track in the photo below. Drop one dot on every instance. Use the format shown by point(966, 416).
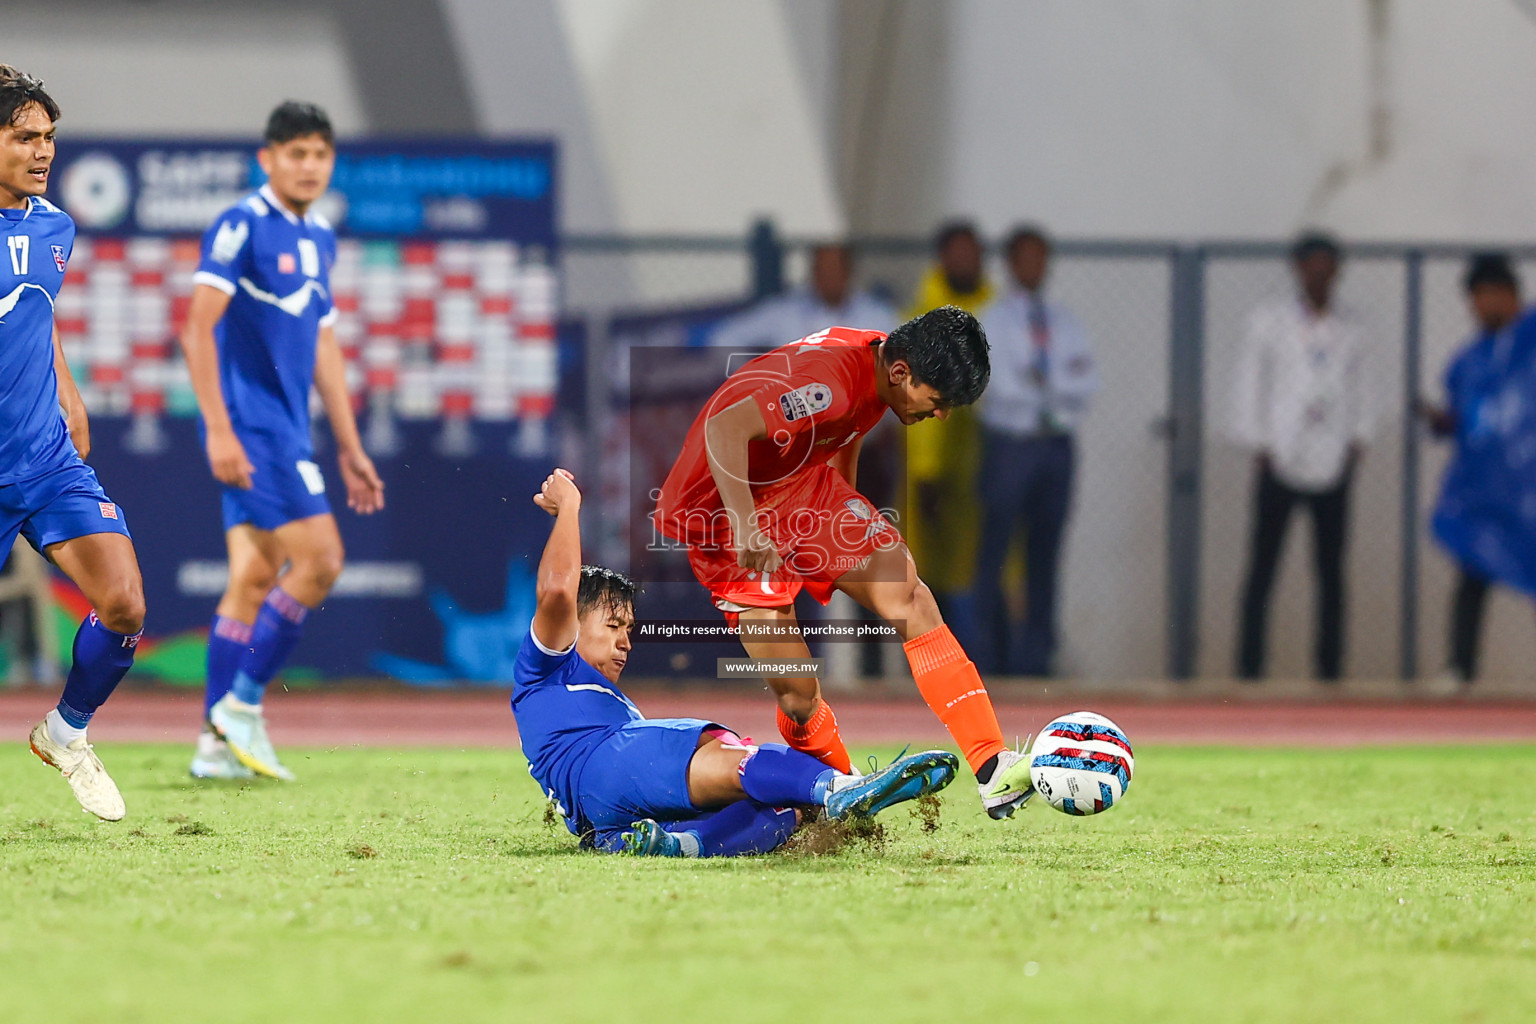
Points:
point(482, 718)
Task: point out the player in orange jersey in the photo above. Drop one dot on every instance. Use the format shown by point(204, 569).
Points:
point(764, 497)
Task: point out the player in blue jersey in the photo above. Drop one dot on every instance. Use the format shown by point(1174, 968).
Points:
point(47, 492)
point(258, 337)
point(671, 787)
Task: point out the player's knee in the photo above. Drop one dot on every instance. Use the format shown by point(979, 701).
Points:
point(918, 598)
point(323, 567)
point(922, 611)
point(910, 606)
point(254, 580)
point(249, 586)
point(121, 608)
point(714, 775)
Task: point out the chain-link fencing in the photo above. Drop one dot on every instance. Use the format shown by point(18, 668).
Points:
point(1160, 534)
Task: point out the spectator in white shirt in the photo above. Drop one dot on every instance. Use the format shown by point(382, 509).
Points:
point(828, 301)
point(1302, 400)
point(1043, 376)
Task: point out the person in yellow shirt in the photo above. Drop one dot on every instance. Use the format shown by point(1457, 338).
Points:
point(942, 455)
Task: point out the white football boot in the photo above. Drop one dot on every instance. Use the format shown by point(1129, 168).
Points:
point(244, 728)
point(1009, 787)
point(214, 759)
point(83, 770)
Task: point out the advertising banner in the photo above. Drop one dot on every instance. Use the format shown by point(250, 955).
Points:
point(448, 296)
point(437, 189)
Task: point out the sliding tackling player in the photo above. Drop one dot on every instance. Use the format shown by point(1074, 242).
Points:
point(672, 787)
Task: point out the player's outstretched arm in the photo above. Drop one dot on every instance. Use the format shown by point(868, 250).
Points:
point(226, 455)
point(365, 491)
point(726, 436)
point(70, 400)
point(559, 579)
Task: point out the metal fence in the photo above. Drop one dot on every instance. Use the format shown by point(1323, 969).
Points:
point(1158, 540)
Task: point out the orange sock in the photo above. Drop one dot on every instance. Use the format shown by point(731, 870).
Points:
point(818, 737)
point(949, 682)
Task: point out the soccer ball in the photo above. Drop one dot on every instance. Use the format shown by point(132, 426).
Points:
point(1081, 763)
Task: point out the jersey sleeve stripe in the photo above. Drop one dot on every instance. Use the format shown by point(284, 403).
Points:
point(540, 644)
point(213, 281)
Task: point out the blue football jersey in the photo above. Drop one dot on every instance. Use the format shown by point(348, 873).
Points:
point(564, 708)
point(276, 269)
point(34, 438)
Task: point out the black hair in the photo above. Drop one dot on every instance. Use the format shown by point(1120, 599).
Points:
point(947, 350)
point(953, 229)
point(1310, 243)
point(19, 90)
point(295, 120)
point(1026, 233)
point(838, 245)
point(1490, 268)
point(604, 588)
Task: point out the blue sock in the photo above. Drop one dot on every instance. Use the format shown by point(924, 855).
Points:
point(740, 829)
point(278, 627)
point(101, 659)
point(228, 642)
point(780, 777)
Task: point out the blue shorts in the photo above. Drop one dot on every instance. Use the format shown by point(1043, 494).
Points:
point(641, 771)
point(283, 489)
point(57, 506)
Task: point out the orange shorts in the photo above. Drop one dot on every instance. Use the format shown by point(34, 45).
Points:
point(821, 527)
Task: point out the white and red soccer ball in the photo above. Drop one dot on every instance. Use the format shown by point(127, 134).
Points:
point(1081, 763)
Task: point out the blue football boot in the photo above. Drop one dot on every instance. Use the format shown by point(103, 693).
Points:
point(905, 778)
point(651, 840)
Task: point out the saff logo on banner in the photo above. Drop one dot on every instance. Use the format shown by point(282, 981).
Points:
point(97, 191)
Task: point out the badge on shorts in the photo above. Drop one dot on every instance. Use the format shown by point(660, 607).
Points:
point(806, 401)
point(108, 510)
point(877, 523)
point(314, 480)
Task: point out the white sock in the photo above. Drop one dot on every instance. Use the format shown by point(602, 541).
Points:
point(689, 842)
point(60, 731)
point(840, 780)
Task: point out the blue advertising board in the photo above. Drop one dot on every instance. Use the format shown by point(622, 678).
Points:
point(438, 586)
point(423, 189)
point(462, 234)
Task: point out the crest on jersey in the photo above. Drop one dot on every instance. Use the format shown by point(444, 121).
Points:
point(228, 240)
point(286, 264)
point(806, 401)
point(58, 257)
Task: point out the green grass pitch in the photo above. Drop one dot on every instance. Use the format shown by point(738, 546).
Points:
point(1364, 885)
